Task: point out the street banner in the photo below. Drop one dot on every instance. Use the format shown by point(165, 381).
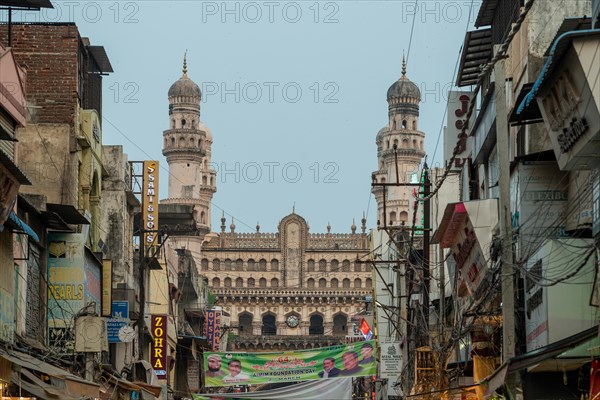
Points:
point(342, 361)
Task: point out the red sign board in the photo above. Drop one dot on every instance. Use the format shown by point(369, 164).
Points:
point(158, 355)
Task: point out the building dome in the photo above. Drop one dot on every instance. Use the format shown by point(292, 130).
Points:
point(403, 87)
point(382, 132)
point(184, 86)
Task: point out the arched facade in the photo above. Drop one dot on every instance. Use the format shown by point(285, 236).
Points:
point(309, 276)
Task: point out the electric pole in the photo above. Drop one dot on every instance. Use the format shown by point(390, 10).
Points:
point(508, 289)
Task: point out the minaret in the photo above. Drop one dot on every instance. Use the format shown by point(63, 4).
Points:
point(187, 146)
point(401, 133)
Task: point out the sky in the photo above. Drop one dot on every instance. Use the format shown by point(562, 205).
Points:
point(294, 92)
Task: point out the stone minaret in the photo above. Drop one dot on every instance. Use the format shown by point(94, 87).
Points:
point(187, 146)
point(402, 132)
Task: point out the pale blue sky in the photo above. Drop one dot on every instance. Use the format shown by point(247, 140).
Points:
point(342, 55)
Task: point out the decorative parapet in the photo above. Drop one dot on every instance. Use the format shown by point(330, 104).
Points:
point(316, 241)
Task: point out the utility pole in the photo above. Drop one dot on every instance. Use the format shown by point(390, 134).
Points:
point(426, 256)
point(508, 289)
point(142, 296)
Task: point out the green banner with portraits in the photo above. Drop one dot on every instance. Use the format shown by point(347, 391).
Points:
point(233, 369)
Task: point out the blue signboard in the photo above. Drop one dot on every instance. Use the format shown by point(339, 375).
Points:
point(120, 318)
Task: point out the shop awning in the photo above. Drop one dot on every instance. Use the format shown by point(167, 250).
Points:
point(558, 350)
point(74, 387)
point(19, 225)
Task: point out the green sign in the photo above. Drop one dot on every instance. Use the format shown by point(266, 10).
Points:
point(233, 369)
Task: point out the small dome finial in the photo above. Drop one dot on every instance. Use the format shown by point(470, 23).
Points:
point(185, 63)
point(403, 64)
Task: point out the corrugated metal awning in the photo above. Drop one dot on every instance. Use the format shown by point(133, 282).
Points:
point(477, 51)
point(101, 58)
point(13, 169)
point(31, 4)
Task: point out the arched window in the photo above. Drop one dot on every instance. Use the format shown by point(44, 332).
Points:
point(172, 124)
point(310, 283)
point(274, 282)
point(369, 283)
point(357, 283)
point(227, 264)
point(274, 265)
point(322, 283)
point(405, 144)
point(269, 327)
point(311, 266)
point(414, 125)
point(421, 145)
point(251, 282)
point(404, 124)
point(216, 282)
point(403, 216)
point(202, 217)
point(262, 265)
point(216, 264)
point(204, 264)
point(392, 217)
point(239, 264)
point(346, 283)
point(322, 265)
point(192, 142)
point(345, 266)
point(239, 282)
point(316, 325)
point(251, 265)
point(396, 143)
point(227, 282)
point(387, 144)
point(204, 180)
point(245, 324)
point(382, 180)
point(357, 266)
point(183, 122)
point(181, 141)
point(414, 144)
point(335, 265)
point(334, 283)
point(262, 282)
point(340, 326)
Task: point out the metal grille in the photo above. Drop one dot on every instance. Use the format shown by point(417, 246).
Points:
point(33, 320)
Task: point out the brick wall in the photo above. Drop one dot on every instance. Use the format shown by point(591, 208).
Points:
point(49, 52)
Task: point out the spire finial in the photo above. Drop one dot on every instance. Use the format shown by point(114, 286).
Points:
point(294, 208)
point(403, 64)
point(185, 63)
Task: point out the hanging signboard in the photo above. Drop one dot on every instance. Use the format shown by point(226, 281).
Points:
point(150, 207)
point(232, 369)
point(158, 354)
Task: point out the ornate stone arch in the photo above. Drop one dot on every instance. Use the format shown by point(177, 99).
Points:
point(245, 323)
point(340, 324)
point(316, 324)
point(269, 324)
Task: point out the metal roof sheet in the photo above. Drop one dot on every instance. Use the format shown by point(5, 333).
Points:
point(477, 51)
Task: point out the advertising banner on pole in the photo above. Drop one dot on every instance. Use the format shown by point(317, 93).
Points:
point(232, 369)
